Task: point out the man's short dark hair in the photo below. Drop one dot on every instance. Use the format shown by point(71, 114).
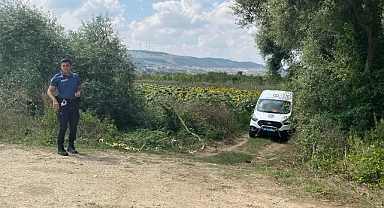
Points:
point(66, 60)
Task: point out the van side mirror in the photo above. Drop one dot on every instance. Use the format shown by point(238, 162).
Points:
point(252, 107)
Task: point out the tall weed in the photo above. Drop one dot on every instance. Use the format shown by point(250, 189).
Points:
point(365, 161)
point(328, 149)
point(43, 130)
point(320, 141)
point(16, 128)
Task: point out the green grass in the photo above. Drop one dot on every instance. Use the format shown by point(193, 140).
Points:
point(254, 145)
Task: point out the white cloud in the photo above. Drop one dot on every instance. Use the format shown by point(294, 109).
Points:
point(72, 12)
point(187, 28)
point(183, 27)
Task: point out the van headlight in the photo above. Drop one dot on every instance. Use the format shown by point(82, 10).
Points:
point(254, 118)
point(286, 122)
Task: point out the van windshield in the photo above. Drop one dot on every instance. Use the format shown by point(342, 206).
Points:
point(273, 106)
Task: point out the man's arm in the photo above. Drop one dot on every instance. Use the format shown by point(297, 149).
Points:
point(51, 93)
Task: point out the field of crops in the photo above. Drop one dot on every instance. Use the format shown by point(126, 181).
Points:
point(230, 97)
point(186, 119)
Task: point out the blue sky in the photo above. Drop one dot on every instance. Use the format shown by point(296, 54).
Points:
point(200, 28)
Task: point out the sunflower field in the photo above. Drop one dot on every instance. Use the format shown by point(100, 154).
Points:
point(238, 100)
point(186, 118)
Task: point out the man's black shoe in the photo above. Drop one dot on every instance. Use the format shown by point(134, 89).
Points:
point(62, 152)
point(72, 150)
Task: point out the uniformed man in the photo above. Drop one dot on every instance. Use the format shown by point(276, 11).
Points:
point(64, 91)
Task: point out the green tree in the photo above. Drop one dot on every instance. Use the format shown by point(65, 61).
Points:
point(106, 70)
point(31, 43)
point(285, 27)
point(259, 13)
point(369, 16)
point(334, 51)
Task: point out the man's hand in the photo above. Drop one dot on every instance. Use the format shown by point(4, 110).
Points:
point(77, 94)
point(55, 105)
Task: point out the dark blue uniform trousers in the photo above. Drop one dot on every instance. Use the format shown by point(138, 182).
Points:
point(67, 114)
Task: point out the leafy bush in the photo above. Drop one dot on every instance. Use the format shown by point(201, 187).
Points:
point(15, 127)
point(106, 71)
point(213, 122)
point(366, 158)
point(320, 141)
point(366, 163)
point(90, 129)
point(31, 45)
point(326, 148)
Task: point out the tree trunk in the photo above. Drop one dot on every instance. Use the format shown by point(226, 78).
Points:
point(370, 52)
point(370, 24)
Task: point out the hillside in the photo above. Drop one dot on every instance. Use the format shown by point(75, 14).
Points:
point(157, 62)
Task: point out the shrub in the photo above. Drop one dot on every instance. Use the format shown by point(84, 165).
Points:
point(365, 161)
point(214, 122)
point(90, 129)
point(326, 148)
point(15, 127)
point(320, 141)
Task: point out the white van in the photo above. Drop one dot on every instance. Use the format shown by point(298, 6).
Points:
point(271, 115)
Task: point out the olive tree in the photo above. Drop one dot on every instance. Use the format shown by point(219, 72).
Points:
point(106, 70)
point(31, 43)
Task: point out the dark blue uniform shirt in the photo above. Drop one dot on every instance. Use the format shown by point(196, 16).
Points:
point(66, 86)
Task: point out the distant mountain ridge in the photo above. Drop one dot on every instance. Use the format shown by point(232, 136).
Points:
point(151, 61)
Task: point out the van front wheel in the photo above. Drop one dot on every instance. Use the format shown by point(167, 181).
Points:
point(252, 134)
point(284, 137)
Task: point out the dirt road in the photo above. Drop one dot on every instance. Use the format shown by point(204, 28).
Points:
point(41, 178)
